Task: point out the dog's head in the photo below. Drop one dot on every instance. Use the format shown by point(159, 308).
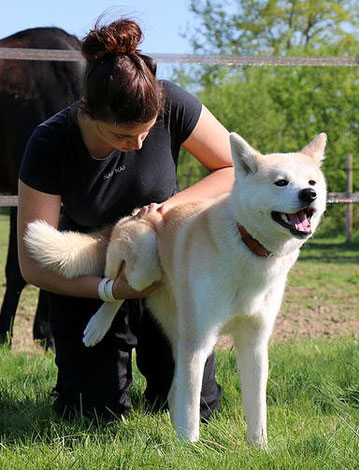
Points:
point(281, 196)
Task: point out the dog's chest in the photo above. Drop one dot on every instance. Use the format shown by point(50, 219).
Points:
point(253, 285)
point(246, 285)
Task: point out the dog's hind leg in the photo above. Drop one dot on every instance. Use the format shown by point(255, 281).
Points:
point(136, 251)
point(100, 323)
point(251, 342)
point(185, 393)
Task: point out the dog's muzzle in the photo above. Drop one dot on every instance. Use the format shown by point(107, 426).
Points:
point(299, 223)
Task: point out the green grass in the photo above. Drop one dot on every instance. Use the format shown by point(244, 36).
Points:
point(329, 266)
point(322, 293)
point(313, 419)
point(313, 392)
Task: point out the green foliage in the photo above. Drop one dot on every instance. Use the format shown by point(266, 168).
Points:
point(190, 170)
point(282, 108)
point(271, 27)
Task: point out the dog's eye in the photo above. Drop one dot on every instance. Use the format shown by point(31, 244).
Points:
point(312, 182)
point(282, 183)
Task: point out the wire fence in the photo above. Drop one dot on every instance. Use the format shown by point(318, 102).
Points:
point(199, 59)
point(348, 197)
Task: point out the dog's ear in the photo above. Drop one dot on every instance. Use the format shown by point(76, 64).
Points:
point(244, 156)
point(315, 148)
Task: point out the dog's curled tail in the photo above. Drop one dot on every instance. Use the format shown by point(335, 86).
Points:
point(69, 254)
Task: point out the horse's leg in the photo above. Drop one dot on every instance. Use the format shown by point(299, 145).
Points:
point(14, 283)
point(42, 327)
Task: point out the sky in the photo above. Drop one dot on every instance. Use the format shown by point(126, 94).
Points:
point(162, 21)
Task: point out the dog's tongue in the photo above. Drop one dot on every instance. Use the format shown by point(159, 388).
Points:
point(299, 221)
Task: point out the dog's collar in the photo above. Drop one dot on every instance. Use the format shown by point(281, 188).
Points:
point(253, 244)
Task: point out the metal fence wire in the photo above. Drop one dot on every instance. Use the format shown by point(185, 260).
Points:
point(347, 197)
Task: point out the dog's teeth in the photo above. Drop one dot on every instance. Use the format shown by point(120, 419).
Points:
point(285, 217)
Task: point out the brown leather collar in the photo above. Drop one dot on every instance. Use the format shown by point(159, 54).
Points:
point(253, 244)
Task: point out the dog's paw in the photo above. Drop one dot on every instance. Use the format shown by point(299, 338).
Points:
point(259, 441)
point(100, 323)
point(94, 332)
point(188, 434)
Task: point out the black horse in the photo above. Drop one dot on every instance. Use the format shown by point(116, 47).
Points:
point(30, 92)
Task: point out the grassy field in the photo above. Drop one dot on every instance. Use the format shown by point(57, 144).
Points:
point(313, 390)
point(313, 419)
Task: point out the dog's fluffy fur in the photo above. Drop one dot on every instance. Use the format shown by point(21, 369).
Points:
point(211, 282)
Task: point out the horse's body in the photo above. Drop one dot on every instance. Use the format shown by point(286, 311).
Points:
point(30, 92)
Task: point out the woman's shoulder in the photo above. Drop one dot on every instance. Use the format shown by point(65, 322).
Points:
point(60, 121)
point(174, 91)
point(55, 130)
point(179, 99)
point(53, 133)
point(182, 110)
point(44, 152)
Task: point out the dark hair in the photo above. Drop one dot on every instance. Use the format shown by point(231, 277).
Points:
point(120, 84)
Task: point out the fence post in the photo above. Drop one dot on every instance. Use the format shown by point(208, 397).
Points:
point(349, 205)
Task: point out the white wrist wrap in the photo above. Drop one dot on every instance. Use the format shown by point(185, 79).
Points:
point(104, 290)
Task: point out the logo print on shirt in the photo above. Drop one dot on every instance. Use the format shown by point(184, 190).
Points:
point(116, 171)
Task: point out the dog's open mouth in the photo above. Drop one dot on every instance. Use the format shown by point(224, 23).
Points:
point(298, 223)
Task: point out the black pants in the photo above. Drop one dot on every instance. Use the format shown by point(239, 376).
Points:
point(98, 378)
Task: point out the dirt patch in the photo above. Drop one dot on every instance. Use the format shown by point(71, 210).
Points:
point(338, 317)
point(328, 308)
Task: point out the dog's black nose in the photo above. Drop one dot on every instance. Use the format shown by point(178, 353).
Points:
point(307, 195)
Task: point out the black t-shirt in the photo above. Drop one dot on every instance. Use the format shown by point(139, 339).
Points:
point(98, 192)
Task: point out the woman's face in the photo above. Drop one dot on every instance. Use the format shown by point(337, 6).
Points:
point(124, 137)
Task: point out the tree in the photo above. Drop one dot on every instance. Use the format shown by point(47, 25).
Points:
point(271, 27)
point(282, 108)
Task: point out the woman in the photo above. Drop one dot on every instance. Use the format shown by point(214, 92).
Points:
point(114, 151)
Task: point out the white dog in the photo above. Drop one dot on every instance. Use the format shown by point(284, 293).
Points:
point(223, 265)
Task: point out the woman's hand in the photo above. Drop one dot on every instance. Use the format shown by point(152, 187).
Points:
point(121, 289)
point(153, 207)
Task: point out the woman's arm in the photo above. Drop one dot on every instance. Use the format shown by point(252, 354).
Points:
point(209, 144)
point(35, 205)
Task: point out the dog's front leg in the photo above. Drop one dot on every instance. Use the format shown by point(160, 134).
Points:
point(251, 342)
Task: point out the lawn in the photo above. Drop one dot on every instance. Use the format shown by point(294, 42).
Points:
point(313, 390)
point(313, 419)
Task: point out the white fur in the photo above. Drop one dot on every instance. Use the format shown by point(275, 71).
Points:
point(69, 254)
point(100, 323)
point(211, 281)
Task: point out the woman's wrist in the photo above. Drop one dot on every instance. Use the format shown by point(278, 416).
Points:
point(104, 290)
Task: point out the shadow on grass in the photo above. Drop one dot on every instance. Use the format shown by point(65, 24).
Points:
point(35, 420)
point(29, 420)
point(340, 252)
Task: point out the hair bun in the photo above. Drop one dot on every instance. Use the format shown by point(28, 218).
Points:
point(119, 37)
